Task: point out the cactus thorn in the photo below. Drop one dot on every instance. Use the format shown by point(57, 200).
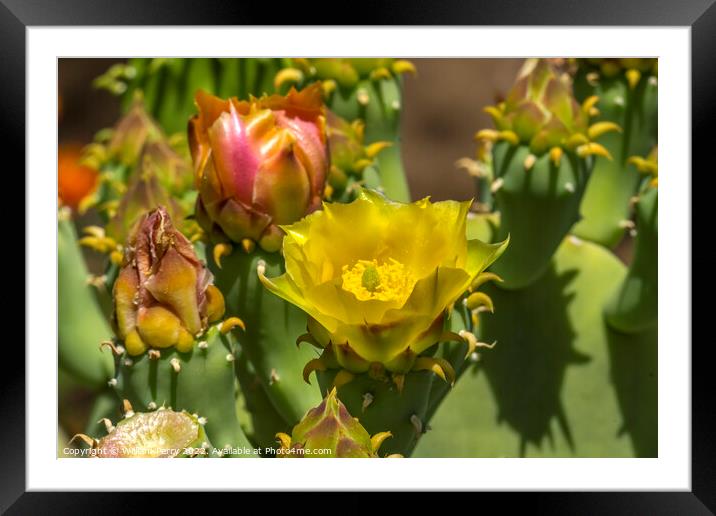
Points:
point(367, 400)
point(474, 357)
point(399, 381)
point(128, 362)
point(599, 128)
point(653, 81)
point(248, 245)
point(380, 74)
point(362, 97)
point(417, 424)
point(112, 383)
point(116, 257)
point(64, 213)
point(287, 75)
point(92, 443)
point(439, 366)
point(229, 324)
point(107, 424)
point(490, 135)
point(486, 345)
point(127, 408)
point(555, 155)
point(307, 337)
point(483, 278)
point(569, 186)
point(328, 192)
point(404, 66)
point(395, 105)
point(496, 184)
point(627, 224)
point(176, 365)
point(470, 340)
point(328, 87)
point(619, 100)
point(230, 357)
point(261, 268)
point(96, 281)
point(152, 405)
point(221, 250)
point(313, 365)
point(593, 148)
point(633, 76)
point(274, 377)
point(154, 354)
point(494, 112)
point(589, 103)
point(110, 344)
point(203, 344)
point(529, 161)
point(284, 440)
point(479, 300)
point(201, 420)
point(373, 149)
point(377, 440)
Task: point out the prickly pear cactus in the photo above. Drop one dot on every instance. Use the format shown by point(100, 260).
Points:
point(329, 430)
point(269, 281)
point(627, 89)
point(634, 307)
point(543, 155)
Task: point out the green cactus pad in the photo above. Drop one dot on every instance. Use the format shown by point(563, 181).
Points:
point(201, 381)
point(168, 84)
point(379, 107)
point(537, 208)
point(261, 419)
point(634, 307)
point(606, 200)
point(558, 383)
point(81, 324)
point(272, 327)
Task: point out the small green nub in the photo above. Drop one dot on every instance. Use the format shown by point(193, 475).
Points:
point(370, 279)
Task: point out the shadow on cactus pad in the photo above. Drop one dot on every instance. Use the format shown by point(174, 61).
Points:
point(526, 374)
point(561, 382)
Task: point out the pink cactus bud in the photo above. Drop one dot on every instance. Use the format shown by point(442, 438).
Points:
point(258, 163)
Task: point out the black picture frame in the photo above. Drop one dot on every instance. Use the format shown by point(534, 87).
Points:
point(700, 15)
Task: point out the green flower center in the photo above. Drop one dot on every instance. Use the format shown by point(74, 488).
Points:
point(387, 281)
point(370, 279)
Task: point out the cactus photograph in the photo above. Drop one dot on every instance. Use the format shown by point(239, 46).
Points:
point(357, 257)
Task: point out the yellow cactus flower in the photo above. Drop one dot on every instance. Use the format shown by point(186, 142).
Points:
point(377, 278)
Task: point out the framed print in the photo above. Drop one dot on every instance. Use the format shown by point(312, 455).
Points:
point(434, 243)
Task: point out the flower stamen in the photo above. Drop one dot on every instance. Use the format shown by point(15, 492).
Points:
point(368, 279)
